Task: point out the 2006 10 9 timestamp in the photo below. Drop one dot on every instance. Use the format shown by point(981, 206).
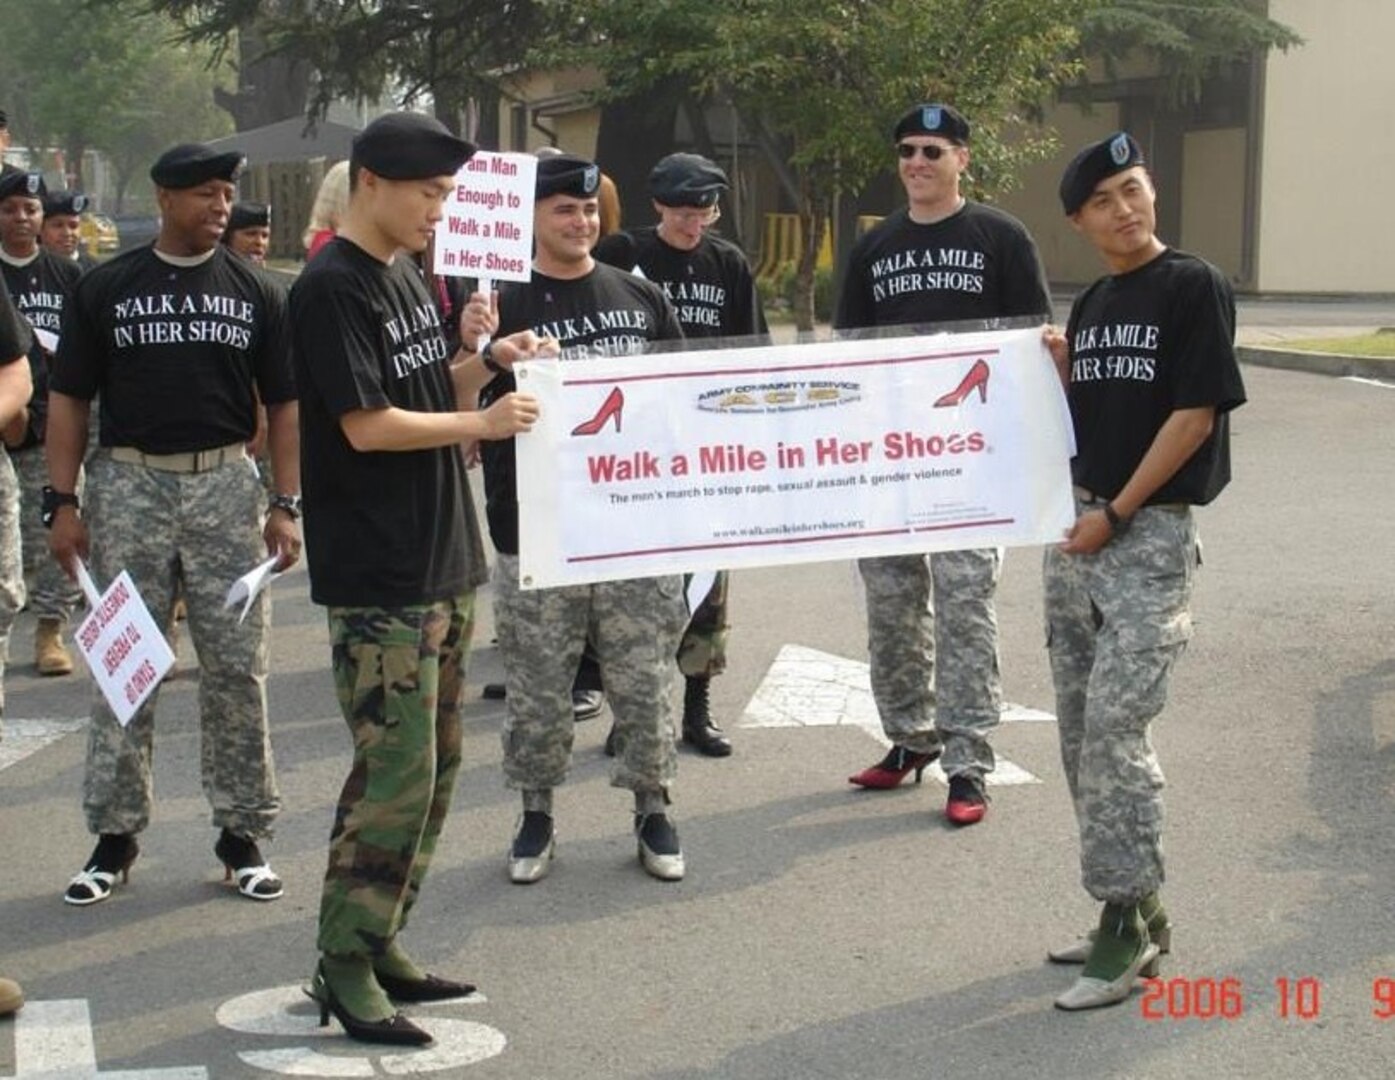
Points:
point(1295, 999)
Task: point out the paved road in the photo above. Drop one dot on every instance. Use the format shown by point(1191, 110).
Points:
point(822, 932)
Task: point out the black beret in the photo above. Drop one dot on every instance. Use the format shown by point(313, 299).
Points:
point(933, 119)
point(15, 181)
point(249, 215)
point(1097, 162)
point(409, 146)
point(191, 164)
point(567, 174)
point(687, 180)
point(71, 203)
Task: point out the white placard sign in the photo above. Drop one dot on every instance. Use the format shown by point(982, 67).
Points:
point(709, 460)
point(487, 232)
point(122, 644)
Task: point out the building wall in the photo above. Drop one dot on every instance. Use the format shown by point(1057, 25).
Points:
point(1036, 203)
point(1213, 196)
point(1328, 150)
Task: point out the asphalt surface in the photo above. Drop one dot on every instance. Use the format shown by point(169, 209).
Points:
point(821, 931)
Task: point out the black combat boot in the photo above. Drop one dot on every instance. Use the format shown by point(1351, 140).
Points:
point(699, 731)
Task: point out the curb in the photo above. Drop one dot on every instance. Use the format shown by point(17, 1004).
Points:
point(1367, 367)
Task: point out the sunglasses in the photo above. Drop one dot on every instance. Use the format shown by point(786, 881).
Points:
point(932, 152)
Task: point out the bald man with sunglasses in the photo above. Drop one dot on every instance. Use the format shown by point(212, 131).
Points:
point(941, 259)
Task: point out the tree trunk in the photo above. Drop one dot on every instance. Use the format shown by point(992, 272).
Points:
point(269, 88)
point(814, 209)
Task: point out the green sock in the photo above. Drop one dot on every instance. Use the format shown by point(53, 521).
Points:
point(350, 979)
point(1121, 934)
point(1151, 909)
point(396, 964)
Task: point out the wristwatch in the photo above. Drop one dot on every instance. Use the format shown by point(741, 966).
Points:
point(487, 358)
point(52, 501)
point(289, 503)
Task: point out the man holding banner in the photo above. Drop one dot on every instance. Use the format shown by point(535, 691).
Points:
point(179, 339)
point(713, 292)
point(395, 553)
point(635, 625)
point(1149, 365)
point(942, 259)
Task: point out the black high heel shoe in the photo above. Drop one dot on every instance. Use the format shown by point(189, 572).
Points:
point(114, 854)
point(428, 988)
point(396, 1030)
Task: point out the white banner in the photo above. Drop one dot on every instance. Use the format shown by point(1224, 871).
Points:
point(121, 644)
point(721, 459)
point(488, 228)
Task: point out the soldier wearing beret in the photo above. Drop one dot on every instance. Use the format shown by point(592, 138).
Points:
point(1149, 367)
point(931, 624)
point(635, 626)
point(62, 228)
point(394, 550)
point(40, 283)
point(249, 231)
point(709, 283)
point(179, 340)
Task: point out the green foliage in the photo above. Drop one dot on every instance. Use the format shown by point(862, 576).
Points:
point(1190, 40)
point(80, 76)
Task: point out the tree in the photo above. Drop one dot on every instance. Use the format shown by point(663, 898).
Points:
point(453, 52)
point(118, 85)
point(819, 86)
point(1190, 40)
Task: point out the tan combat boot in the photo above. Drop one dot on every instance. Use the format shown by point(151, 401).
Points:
point(11, 996)
point(50, 655)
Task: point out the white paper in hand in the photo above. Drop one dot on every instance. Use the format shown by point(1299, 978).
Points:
point(122, 644)
point(249, 586)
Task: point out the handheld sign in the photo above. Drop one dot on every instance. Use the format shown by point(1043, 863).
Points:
point(122, 644)
point(487, 232)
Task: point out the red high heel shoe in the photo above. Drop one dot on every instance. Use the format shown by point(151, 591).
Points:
point(612, 406)
point(976, 379)
point(892, 769)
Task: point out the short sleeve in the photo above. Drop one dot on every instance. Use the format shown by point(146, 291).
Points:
point(854, 309)
point(15, 337)
point(343, 367)
point(1208, 373)
point(76, 370)
point(1025, 291)
point(275, 376)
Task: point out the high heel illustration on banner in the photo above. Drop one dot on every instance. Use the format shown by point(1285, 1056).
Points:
point(976, 379)
point(612, 406)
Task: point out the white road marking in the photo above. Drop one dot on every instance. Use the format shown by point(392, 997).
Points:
point(53, 1041)
point(808, 688)
point(285, 1011)
point(24, 737)
point(1369, 382)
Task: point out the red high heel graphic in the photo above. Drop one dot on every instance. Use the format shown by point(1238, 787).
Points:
point(976, 379)
point(614, 402)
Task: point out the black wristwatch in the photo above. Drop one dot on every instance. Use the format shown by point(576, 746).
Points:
point(487, 358)
point(1116, 523)
point(288, 503)
point(52, 501)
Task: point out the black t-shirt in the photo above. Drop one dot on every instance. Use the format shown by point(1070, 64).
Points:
point(710, 287)
point(1142, 345)
point(609, 312)
point(39, 290)
point(175, 351)
point(388, 528)
point(15, 334)
point(978, 263)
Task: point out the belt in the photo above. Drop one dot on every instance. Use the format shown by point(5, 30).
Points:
point(192, 461)
point(1086, 495)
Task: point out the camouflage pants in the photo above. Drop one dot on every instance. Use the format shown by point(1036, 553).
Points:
point(923, 609)
point(398, 673)
point(1117, 621)
point(11, 574)
point(703, 650)
point(635, 627)
point(203, 529)
point(51, 594)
